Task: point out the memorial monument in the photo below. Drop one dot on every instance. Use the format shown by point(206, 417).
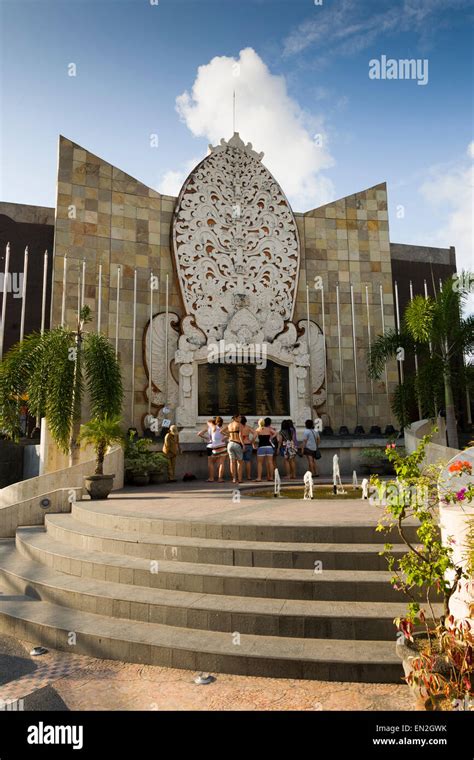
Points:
point(223, 299)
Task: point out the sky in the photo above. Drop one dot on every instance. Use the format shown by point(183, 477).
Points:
point(148, 84)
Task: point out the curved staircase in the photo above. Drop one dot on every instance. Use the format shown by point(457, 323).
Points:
point(204, 595)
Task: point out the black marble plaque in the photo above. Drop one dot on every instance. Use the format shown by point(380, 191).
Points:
point(228, 389)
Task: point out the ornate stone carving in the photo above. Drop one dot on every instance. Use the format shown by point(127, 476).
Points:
point(235, 242)
point(158, 359)
point(243, 328)
point(318, 370)
point(236, 248)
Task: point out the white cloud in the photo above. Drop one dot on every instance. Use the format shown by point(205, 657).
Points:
point(450, 190)
point(172, 181)
point(267, 117)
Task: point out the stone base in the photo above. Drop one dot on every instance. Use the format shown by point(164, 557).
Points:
point(194, 458)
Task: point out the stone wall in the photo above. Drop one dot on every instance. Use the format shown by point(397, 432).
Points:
point(346, 242)
point(436, 452)
point(106, 216)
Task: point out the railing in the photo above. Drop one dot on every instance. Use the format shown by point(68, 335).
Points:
point(24, 503)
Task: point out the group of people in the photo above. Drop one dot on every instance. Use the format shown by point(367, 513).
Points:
point(237, 442)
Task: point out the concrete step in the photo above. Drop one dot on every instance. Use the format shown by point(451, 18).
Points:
point(115, 517)
point(270, 617)
point(275, 583)
point(63, 527)
point(51, 625)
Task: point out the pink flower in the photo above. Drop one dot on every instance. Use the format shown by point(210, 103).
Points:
point(461, 494)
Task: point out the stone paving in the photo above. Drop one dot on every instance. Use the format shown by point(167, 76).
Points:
point(86, 683)
point(61, 680)
point(218, 502)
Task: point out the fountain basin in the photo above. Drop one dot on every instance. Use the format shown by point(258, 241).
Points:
point(297, 491)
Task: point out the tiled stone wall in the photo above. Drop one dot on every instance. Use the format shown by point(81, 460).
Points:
point(346, 242)
point(105, 216)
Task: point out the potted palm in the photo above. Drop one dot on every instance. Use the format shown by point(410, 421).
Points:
point(100, 433)
point(54, 370)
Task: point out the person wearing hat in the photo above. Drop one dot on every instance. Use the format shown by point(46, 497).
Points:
point(171, 449)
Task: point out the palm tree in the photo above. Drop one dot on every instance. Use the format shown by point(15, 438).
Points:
point(101, 432)
point(55, 370)
point(436, 330)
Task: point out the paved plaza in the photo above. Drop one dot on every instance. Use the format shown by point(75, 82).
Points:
point(229, 561)
point(59, 681)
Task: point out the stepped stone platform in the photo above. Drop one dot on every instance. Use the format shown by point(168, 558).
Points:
point(190, 576)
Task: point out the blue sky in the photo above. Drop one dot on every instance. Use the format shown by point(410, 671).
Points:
point(304, 97)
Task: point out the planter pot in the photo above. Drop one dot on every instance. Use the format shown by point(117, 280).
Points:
point(373, 469)
point(408, 652)
point(377, 469)
point(141, 478)
point(99, 486)
point(157, 477)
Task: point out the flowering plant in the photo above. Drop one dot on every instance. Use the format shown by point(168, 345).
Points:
point(443, 666)
point(460, 467)
point(448, 673)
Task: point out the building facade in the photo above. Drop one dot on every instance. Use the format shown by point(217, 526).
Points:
point(172, 280)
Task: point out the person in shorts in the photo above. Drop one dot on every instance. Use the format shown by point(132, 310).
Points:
point(309, 446)
point(218, 445)
point(235, 448)
point(248, 434)
point(288, 448)
point(205, 434)
point(265, 433)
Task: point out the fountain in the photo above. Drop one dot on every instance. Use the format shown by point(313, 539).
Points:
point(337, 487)
point(308, 485)
point(365, 488)
point(277, 484)
point(355, 482)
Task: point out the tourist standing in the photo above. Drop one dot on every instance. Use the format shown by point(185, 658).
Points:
point(218, 446)
point(235, 448)
point(265, 433)
point(248, 434)
point(288, 448)
point(205, 434)
point(171, 449)
point(310, 447)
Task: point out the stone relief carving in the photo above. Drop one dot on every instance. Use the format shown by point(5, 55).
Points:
point(158, 353)
point(235, 241)
point(236, 249)
point(318, 361)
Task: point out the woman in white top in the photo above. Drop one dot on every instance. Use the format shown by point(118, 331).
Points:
point(205, 434)
point(219, 446)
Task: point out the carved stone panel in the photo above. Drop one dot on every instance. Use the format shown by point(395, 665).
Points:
point(235, 242)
